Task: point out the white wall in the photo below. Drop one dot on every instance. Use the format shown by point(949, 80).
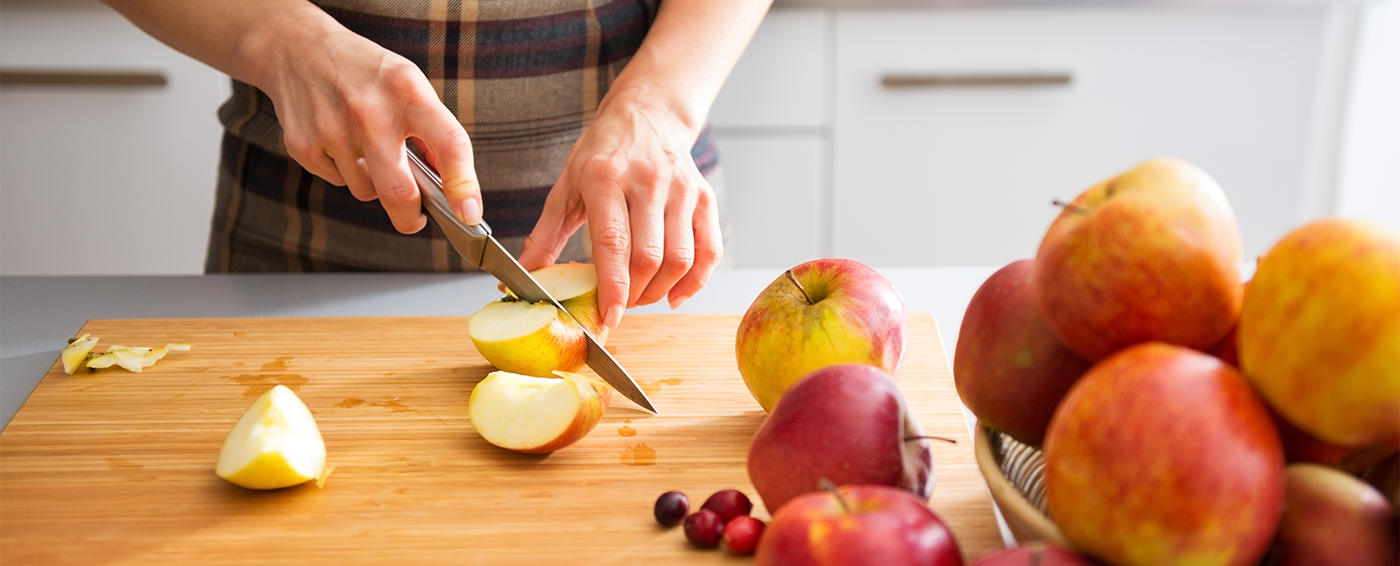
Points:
point(1369, 161)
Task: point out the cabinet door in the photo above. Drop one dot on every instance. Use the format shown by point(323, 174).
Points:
point(965, 174)
point(781, 81)
point(774, 198)
point(102, 180)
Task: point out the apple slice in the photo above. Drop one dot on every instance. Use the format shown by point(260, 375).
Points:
point(537, 339)
point(274, 444)
point(77, 352)
point(133, 358)
point(537, 415)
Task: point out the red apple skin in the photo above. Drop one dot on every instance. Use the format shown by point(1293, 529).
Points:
point(856, 316)
point(1334, 519)
point(1150, 255)
point(846, 424)
point(1162, 454)
point(1319, 335)
point(1009, 369)
point(1034, 554)
point(885, 526)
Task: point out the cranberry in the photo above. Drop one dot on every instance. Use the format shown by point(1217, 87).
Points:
point(671, 508)
point(729, 503)
point(704, 528)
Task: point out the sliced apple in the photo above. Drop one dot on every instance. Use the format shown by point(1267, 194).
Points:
point(275, 444)
point(537, 415)
point(537, 339)
point(133, 358)
point(77, 352)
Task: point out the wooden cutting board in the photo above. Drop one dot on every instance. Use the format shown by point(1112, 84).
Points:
point(115, 467)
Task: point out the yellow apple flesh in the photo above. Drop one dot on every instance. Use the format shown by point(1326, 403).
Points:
point(537, 415)
point(275, 444)
point(1319, 335)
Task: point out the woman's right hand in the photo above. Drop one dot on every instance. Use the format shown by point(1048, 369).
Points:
point(346, 105)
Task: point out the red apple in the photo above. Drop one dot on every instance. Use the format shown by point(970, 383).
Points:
point(1009, 369)
point(820, 313)
point(858, 524)
point(845, 424)
point(1333, 519)
point(1319, 335)
point(1035, 554)
point(1163, 455)
point(1150, 255)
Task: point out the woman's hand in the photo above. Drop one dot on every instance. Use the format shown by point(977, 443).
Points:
point(346, 105)
point(653, 219)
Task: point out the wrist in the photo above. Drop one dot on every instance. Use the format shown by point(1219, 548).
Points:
point(269, 47)
point(676, 118)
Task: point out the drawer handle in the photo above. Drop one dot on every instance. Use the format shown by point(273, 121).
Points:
point(9, 77)
point(938, 80)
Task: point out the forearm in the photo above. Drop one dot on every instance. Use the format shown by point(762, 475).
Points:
point(242, 38)
point(689, 51)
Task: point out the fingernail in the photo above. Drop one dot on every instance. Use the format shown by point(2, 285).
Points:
point(676, 302)
point(613, 318)
point(470, 212)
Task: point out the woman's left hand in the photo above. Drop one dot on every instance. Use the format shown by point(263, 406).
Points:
point(653, 219)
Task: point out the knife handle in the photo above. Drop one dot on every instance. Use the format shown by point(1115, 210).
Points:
point(435, 200)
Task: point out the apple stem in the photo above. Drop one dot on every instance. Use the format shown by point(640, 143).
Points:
point(831, 487)
point(800, 288)
point(1070, 206)
point(948, 440)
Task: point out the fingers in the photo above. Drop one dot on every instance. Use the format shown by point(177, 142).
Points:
point(677, 251)
point(395, 187)
point(610, 230)
point(561, 217)
point(709, 248)
point(450, 151)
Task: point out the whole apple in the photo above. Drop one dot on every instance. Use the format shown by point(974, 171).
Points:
point(820, 313)
point(1034, 554)
point(1319, 334)
point(1163, 455)
point(846, 424)
point(1009, 369)
point(858, 524)
point(1334, 519)
point(1150, 255)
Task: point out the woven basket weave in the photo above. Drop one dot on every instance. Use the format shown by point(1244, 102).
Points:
point(1015, 475)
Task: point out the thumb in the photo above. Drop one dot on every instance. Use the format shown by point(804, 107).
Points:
point(562, 216)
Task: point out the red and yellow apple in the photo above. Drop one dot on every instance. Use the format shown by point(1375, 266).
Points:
point(1035, 554)
point(1319, 336)
point(857, 524)
point(1333, 519)
point(1009, 369)
point(820, 313)
point(537, 338)
point(1163, 455)
point(537, 415)
point(1149, 255)
point(846, 424)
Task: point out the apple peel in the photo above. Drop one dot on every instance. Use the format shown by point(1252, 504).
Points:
point(78, 351)
point(133, 359)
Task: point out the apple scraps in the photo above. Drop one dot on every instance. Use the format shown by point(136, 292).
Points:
point(130, 358)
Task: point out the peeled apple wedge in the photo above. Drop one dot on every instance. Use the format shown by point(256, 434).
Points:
point(77, 352)
point(275, 444)
point(537, 339)
point(537, 415)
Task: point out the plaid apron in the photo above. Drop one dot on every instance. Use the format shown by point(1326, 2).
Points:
point(524, 77)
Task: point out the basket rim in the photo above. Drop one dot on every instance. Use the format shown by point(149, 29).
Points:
point(1007, 497)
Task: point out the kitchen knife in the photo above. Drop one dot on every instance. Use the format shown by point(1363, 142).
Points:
point(480, 248)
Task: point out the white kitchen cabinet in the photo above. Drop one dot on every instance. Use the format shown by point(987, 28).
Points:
point(775, 200)
point(965, 175)
point(109, 180)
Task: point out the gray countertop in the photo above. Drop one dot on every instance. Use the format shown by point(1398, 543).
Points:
point(38, 314)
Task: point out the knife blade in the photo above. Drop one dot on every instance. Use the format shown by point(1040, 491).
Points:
point(481, 249)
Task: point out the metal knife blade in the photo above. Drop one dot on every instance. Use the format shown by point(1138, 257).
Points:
point(481, 249)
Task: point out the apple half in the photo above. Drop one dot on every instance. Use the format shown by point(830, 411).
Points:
point(537, 415)
point(275, 444)
point(537, 339)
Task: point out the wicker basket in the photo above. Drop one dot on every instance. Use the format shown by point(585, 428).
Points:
point(1015, 475)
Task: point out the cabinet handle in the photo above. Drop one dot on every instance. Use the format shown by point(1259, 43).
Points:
point(938, 80)
point(9, 77)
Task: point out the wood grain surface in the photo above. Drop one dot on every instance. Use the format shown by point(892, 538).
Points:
point(115, 467)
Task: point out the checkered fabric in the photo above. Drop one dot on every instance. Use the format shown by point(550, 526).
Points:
point(524, 77)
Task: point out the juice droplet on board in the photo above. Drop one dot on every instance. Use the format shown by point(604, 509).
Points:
point(639, 455)
point(627, 430)
point(350, 403)
point(653, 386)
